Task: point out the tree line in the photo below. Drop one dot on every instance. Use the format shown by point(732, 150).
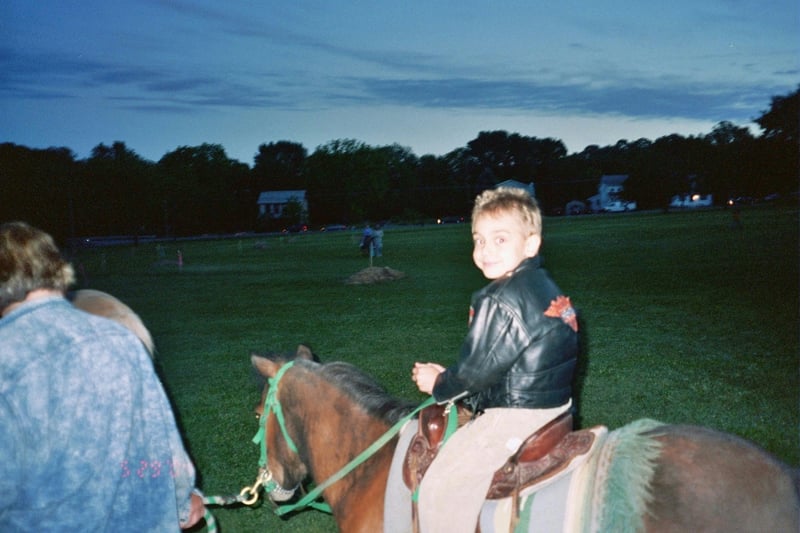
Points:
point(198, 190)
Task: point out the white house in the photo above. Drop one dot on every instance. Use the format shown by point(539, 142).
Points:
point(272, 203)
point(609, 190)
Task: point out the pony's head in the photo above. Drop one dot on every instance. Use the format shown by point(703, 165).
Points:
point(280, 455)
point(258, 359)
point(304, 405)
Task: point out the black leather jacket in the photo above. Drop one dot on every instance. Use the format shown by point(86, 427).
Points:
point(521, 348)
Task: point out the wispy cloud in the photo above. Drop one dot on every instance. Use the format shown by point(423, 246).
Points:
point(277, 66)
point(640, 98)
point(58, 76)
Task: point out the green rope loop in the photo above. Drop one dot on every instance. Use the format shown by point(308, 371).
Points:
point(211, 524)
point(271, 404)
point(308, 499)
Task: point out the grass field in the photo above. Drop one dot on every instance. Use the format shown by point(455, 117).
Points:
point(684, 319)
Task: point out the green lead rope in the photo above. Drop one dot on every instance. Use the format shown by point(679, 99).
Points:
point(271, 403)
point(211, 524)
point(452, 422)
point(308, 499)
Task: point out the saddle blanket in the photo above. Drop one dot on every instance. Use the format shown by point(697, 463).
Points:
point(549, 506)
point(397, 502)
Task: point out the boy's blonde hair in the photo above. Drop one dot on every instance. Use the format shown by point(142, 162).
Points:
point(509, 200)
point(29, 260)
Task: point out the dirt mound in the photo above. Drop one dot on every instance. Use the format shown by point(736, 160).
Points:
point(374, 275)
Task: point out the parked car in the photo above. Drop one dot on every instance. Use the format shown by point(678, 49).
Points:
point(741, 200)
point(690, 201)
point(618, 206)
point(296, 228)
point(450, 220)
point(333, 227)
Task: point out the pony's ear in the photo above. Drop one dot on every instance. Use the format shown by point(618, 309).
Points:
point(304, 352)
point(265, 367)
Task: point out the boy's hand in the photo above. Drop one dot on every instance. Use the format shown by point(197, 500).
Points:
point(424, 375)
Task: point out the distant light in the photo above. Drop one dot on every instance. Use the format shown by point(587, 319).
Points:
point(695, 197)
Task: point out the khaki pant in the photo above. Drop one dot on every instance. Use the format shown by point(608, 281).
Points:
point(455, 485)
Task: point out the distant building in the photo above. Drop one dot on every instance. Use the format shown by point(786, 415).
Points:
point(608, 191)
point(518, 185)
point(272, 203)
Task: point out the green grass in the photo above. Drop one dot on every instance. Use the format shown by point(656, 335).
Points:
point(683, 318)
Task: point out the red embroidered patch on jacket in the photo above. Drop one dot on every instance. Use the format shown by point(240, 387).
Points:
point(562, 308)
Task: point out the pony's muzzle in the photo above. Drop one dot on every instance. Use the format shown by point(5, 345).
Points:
point(274, 490)
point(279, 494)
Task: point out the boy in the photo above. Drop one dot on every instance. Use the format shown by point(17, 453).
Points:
point(515, 366)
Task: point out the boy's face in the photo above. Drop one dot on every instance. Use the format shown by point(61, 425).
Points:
point(501, 242)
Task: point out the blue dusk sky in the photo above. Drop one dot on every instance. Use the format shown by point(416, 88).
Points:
point(426, 75)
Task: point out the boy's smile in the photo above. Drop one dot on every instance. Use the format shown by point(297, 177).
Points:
point(501, 242)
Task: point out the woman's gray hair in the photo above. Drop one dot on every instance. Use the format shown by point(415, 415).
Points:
point(29, 260)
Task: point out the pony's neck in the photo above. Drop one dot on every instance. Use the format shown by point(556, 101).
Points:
point(337, 430)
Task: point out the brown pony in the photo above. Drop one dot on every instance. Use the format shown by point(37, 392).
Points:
point(703, 480)
point(103, 304)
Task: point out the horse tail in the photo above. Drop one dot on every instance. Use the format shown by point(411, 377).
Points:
point(103, 304)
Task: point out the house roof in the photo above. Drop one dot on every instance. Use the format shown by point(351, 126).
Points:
point(518, 185)
point(513, 183)
point(613, 179)
point(280, 197)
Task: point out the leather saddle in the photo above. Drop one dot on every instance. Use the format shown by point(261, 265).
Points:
point(425, 444)
point(542, 455)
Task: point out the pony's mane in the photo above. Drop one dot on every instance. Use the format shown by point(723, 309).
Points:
point(362, 389)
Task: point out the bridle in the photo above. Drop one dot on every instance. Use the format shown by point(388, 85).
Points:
point(272, 487)
point(271, 404)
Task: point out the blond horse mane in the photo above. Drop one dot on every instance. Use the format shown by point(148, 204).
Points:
point(103, 304)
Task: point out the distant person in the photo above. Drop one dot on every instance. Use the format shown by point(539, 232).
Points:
point(736, 222)
point(377, 240)
point(88, 440)
point(366, 239)
point(516, 365)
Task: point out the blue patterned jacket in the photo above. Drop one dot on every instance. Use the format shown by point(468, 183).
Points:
point(88, 439)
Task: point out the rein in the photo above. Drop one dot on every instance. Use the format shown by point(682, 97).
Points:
point(271, 403)
point(249, 494)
